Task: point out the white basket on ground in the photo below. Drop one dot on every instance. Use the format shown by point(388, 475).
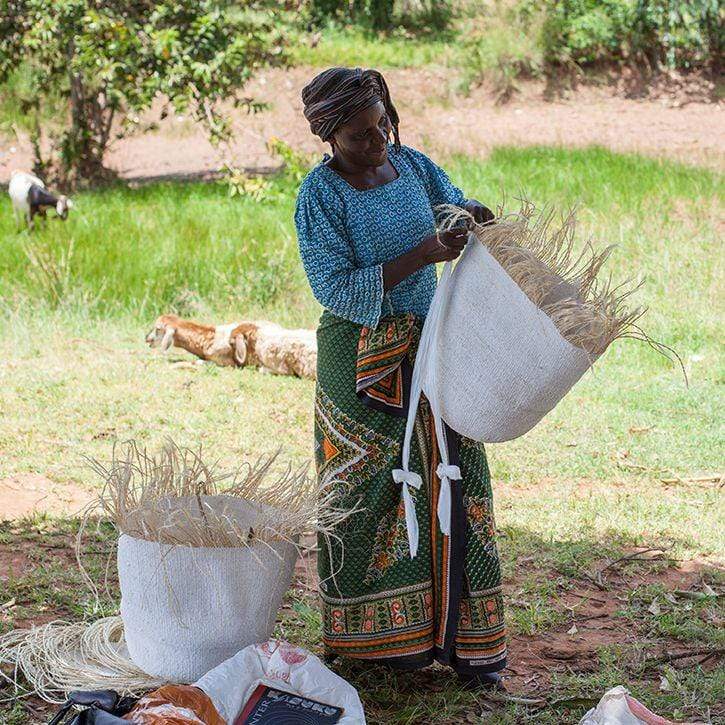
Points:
point(185, 609)
point(204, 559)
point(512, 327)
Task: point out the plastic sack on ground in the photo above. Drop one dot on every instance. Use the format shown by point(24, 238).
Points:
point(175, 705)
point(282, 665)
point(618, 707)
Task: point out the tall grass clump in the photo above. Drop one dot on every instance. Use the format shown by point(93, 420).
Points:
point(499, 46)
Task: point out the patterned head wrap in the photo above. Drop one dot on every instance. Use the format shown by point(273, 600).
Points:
point(336, 95)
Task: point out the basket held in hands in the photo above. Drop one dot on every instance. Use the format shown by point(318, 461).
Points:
point(511, 328)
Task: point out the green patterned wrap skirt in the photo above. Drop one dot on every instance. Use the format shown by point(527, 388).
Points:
point(378, 603)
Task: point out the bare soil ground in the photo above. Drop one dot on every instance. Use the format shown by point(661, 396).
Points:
point(595, 616)
point(434, 117)
point(27, 493)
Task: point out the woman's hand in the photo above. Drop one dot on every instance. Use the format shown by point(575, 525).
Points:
point(443, 247)
point(480, 213)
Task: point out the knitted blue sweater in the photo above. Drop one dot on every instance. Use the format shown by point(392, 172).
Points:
point(346, 235)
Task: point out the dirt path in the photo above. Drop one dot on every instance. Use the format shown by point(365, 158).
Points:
point(27, 493)
point(435, 119)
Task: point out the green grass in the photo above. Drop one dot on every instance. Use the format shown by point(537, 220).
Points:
point(53, 586)
point(139, 252)
point(353, 47)
point(580, 490)
point(144, 249)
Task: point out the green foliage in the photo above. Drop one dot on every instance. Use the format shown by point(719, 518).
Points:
point(354, 46)
point(662, 33)
point(681, 34)
point(500, 50)
point(240, 183)
point(377, 13)
point(294, 168)
point(295, 165)
point(108, 61)
point(419, 15)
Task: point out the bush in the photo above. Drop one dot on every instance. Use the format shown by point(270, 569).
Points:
point(661, 33)
point(502, 49)
point(375, 14)
point(681, 34)
point(417, 15)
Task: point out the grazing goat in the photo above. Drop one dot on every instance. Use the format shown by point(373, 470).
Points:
point(265, 345)
point(31, 198)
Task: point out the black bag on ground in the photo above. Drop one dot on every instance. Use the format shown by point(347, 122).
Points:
point(103, 708)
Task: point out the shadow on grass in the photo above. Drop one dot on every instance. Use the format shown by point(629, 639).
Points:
point(573, 634)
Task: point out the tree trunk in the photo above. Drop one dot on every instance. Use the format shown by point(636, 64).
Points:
point(84, 144)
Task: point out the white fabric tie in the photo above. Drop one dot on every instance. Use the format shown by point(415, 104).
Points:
point(409, 478)
point(424, 380)
point(452, 473)
point(446, 473)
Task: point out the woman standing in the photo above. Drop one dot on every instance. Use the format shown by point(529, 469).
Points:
point(366, 229)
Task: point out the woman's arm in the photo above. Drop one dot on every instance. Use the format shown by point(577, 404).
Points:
point(439, 188)
point(435, 248)
point(348, 291)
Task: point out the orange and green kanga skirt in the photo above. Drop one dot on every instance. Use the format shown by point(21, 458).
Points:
point(379, 603)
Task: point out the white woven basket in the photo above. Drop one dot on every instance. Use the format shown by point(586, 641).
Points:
point(186, 609)
point(491, 364)
point(500, 363)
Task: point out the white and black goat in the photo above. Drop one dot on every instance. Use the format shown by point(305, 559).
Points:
point(30, 198)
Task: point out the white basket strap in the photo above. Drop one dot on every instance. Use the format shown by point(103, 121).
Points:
point(446, 474)
point(423, 371)
point(407, 479)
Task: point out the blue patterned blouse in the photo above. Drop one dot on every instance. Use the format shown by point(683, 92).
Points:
point(346, 235)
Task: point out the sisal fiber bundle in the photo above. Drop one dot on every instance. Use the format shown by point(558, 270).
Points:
point(58, 657)
point(536, 248)
point(177, 498)
point(204, 559)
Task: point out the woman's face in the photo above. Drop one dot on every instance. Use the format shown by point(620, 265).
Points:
point(363, 141)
